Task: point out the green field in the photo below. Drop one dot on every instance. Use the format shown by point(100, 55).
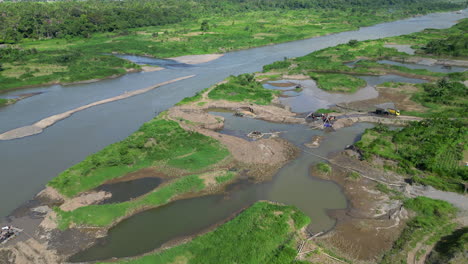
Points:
point(264, 233)
point(158, 143)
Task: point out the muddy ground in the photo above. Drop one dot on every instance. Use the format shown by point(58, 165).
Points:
point(400, 95)
point(372, 221)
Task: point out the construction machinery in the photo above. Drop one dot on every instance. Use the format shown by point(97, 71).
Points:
point(387, 109)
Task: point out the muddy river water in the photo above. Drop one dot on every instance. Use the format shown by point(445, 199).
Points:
point(292, 185)
point(28, 163)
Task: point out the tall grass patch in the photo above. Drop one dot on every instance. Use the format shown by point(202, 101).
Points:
point(338, 82)
point(157, 142)
point(242, 88)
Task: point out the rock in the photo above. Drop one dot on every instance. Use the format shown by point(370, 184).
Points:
point(41, 209)
point(315, 143)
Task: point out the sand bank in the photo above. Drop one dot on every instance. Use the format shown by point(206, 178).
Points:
point(39, 126)
point(197, 59)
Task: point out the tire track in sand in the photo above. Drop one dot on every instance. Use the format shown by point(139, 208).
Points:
point(40, 125)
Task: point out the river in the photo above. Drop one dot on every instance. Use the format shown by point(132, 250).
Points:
point(28, 163)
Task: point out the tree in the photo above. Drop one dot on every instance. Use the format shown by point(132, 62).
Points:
point(353, 43)
point(204, 26)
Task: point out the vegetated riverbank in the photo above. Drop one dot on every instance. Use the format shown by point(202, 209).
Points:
point(264, 233)
point(242, 94)
point(195, 164)
point(52, 61)
point(335, 68)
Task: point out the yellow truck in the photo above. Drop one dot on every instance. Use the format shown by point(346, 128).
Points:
point(387, 109)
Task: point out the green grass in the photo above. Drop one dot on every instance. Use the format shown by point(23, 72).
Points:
point(324, 167)
point(197, 97)
point(328, 68)
point(160, 143)
point(430, 151)
point(225, 178)
point(325, 111)
point(104, 215)
point(338, 82)
point(432, 218)
point(83, 60)
point(354, 175)
point(242, 88)
point(264, 233)
point(5, 102)
point(64, 65)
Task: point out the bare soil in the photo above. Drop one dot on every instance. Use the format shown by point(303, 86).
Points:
point(401, 96)
point(372, 221)
point(262, 158)
point(85, 199)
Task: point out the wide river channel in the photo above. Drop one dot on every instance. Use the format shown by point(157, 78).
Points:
point(27, 164)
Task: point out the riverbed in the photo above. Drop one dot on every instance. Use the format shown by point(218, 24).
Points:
point(28, 163)
point(292, 185)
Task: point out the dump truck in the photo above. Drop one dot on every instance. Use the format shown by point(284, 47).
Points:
point(387, 109)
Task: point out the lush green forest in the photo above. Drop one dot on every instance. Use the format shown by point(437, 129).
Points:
point(81, 18)
point(64, 41)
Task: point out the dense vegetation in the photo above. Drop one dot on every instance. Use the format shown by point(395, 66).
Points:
point(338, 82)
point(264, 233)
point(453, 43)
point(74, 35)
point(451, 248)
point(432, 221)
point(242, 88)
point(159, 142)
point(26, 67)
point(443, 98)
point(81, 18)
point(106, 214)
point(430, 150)
point(332, 68)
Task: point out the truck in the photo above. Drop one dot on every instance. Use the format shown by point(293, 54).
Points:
point(387, 109)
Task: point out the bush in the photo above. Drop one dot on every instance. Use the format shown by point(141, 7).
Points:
point(324, 167)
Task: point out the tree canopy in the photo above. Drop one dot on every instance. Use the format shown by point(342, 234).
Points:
point(61, 19)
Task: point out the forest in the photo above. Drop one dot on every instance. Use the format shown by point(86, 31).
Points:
point(62, 19)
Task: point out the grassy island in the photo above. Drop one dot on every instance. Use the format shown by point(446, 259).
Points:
point(158, 143)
